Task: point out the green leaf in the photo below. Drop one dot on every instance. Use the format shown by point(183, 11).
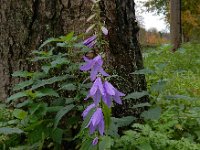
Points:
point(49, 41)
point(46, 68)
point(87, 145)
point(141, 105)
point(57, 134)
point(22, 85)
point(145, 146)
point(46, 92)
point(136, 95)
point(69, 36)
point(61, 113)
point(8, 130)
point(59, 61)
point(24, 103)
point(106, 143)
point(49, 81)
point(124, 121)
point(107, 115)
point(68, 87)
point(22, 74)
point(17, 96)
point(54, 109)
point(152, 114)
point(143, 71)
point(38, 109)
point(158, 87)
point(61, 45)
point(119, 122)
point(19, 113)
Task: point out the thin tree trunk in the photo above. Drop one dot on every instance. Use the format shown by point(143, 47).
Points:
point(124, 55)
point(175, 23)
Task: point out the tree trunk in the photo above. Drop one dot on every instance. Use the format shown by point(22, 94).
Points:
point(25, 24)
point(175, 23)
point(124, 55)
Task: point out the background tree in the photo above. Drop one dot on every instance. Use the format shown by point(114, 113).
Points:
point(175, 23)
point(189, 16)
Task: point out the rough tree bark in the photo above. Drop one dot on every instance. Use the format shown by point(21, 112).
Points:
point(175, 23)
point(124, 55)
point(25, 24)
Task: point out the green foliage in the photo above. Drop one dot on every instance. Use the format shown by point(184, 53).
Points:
point(48, 101)
point(172, 122)
point(46, 108)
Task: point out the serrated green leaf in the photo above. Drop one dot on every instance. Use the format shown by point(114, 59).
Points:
point(57, 134)
point(46, 92)
point(22, 74)
point(49, 41)
point(61, 113)
point(124, 121)
point(19, 113)
point(119, 122)
point(54, 109)
point(141, 105)
point(46, 68)
point(59, 61)
point(24, 103)
point(16, 96)
point(152, 114)
point(61, 45)
point(106, 143)
point(136, 95)
point(159, 86)
point(49, 81)
point(68, 87)
point(38, 109)
point(22, 85)
point(8, 130)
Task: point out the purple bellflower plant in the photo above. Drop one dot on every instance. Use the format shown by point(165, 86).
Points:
point(111, 93)
point(87, 110)
point(96, 121)
point(90, 42)
point(101, 90)
point(104, 30)
point(95, 65)
point(95, 141)
point(96, 91)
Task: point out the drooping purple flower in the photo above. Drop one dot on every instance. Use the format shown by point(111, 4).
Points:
point(90, 41)
point(96, 122)
point(104, 30)
point(95, 65)
point(96, 91)
point(111, 93)
point(95, 141)
point(87, 110)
